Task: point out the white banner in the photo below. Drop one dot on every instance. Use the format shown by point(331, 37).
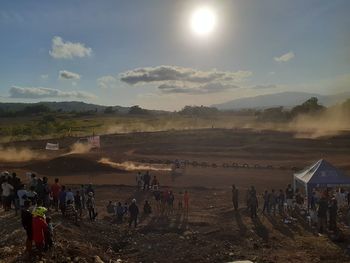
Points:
point(52, 146)
point(94, 141)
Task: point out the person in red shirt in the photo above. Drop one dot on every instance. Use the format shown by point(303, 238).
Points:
point(55, 190)
point(39, 227)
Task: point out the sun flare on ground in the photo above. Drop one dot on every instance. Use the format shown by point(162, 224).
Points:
point(203, 21)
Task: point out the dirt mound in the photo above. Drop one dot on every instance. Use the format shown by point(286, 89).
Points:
point(69, 164)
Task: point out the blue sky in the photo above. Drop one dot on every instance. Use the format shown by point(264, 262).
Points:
point(144, 52)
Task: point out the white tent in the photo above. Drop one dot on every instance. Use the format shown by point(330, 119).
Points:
point(320, 174)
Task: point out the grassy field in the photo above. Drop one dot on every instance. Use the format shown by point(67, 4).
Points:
point(60, 125)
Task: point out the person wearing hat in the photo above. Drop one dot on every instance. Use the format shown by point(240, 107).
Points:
point(39, 227)
point(134, 212)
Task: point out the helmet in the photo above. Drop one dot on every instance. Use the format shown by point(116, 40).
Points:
point(39, 211)
point(134, 200)
point(91, 194)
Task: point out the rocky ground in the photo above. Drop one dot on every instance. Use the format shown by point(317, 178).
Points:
point(212, 232)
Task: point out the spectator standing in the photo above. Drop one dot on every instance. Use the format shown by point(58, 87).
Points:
point(134, 212)
point(235, 197)
point(322, 214)
point(6, 194)
point(55, 190)
point(26, 217)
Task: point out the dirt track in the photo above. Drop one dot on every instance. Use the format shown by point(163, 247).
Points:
point(281, 151)
point(212, 232)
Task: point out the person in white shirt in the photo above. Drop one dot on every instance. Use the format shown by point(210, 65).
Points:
point(22, 195)
point(6, 195)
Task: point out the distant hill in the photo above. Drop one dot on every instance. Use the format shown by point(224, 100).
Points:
point(285, 99)
point(65, 106)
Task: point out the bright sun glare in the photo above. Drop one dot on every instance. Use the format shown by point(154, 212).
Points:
point(203, 21)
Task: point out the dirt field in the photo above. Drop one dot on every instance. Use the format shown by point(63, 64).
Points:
point(212, 232)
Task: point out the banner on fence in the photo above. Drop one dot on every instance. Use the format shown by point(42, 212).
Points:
point(94, 141)
point(52, 146)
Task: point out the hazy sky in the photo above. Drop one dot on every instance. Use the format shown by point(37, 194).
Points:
point(144, 52)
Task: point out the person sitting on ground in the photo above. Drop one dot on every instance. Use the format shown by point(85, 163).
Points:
point(110, 208)
point(78, 203)
point(70, 212)
point(134, 212)
point(155, 183)
point(49, 234)
point(39, 227)
point(147, 209)
point(26, 217)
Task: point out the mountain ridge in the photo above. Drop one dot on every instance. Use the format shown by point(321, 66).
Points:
point(284, 99)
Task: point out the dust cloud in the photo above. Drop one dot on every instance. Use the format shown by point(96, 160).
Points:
point(331, 122)
point(79, 148)
point(134, 166)
point(12, 154)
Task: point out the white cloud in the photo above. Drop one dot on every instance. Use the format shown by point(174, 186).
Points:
point(41, 92)
point(65, 74)
point(68, 50)
point(175, 73)
point(285, 57)
point(174, 79)
point(106, 82)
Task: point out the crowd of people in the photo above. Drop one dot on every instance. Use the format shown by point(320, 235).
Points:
point(163, 201)
point(37, 197)
point(321, 208)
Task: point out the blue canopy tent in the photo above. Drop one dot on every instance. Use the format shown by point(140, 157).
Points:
point(320, 174)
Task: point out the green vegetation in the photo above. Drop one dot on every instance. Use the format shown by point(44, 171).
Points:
point(39, 121)
point(279, 114)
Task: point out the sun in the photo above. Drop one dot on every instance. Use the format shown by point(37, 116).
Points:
point(203, 21)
